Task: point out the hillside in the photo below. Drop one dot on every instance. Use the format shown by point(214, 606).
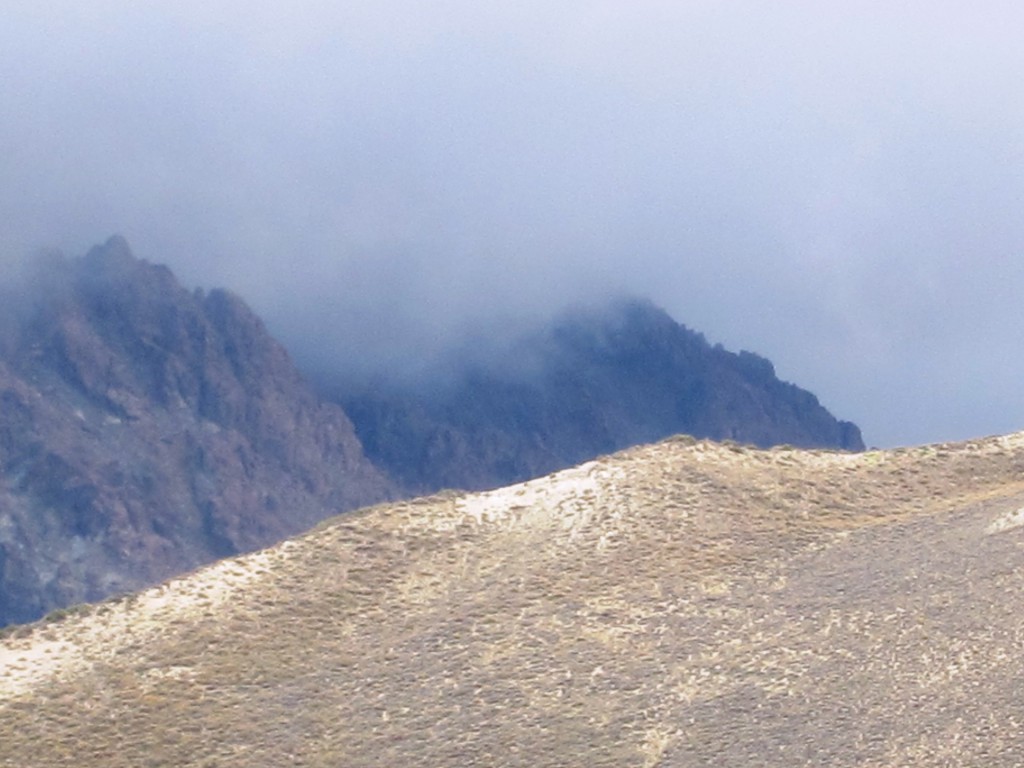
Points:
point(593, 381)
point(683, 603)
point(146, 429)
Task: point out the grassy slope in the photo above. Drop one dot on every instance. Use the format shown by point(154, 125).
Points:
point(675, 604)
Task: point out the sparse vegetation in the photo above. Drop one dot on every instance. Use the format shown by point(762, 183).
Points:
point(685, 603)
point(60, 614)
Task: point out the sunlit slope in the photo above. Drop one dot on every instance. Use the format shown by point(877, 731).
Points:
point(677, 604)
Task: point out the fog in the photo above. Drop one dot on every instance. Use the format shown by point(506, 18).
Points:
point(836, 188)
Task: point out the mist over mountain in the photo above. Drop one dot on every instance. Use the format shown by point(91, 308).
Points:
point(146, 429)
point(834, 188)
point(596, 379)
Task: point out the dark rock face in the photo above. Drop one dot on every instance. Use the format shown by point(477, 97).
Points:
point(145, 430)
point(592, 383)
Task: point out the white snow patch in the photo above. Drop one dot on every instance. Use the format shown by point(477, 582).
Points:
point(26, 663)
point(565, 498)
point(22, 667)
point(1007, 521)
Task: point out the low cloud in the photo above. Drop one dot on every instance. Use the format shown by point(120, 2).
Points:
point(835, 188)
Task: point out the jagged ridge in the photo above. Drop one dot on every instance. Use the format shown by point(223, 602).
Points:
point(145, 429)
point(591, 383)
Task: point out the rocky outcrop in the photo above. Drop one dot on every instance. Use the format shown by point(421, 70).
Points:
point(591, 383)
point(146, 429)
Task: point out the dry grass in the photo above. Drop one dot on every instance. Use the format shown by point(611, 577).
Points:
point(678, 604)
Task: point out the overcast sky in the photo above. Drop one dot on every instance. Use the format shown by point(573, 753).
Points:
point(837, 186)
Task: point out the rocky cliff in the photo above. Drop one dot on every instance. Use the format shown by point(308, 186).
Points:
point(146, 429)
point(593, 382)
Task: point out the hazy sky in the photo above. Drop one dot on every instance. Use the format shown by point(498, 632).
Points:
point(837, 186)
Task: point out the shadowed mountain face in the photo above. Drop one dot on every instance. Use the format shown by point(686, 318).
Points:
point(680, 604)
point(145, 430)
point(593, 382)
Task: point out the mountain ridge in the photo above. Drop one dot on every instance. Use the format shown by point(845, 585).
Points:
point(681, 603)
point(147, 429)
point(592, 382)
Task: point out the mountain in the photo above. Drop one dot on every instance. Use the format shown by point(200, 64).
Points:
point(594, 381)
point(684, 603)
point(146, 429)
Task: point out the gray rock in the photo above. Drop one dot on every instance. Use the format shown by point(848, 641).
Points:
point(146, 429)
point(591, 383)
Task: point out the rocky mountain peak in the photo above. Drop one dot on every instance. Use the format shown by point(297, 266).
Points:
point(146, 429)
point(596, 379)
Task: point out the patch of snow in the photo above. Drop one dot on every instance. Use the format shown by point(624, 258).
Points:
point(565, 498)
point(25, 663)
point(1007, 521)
